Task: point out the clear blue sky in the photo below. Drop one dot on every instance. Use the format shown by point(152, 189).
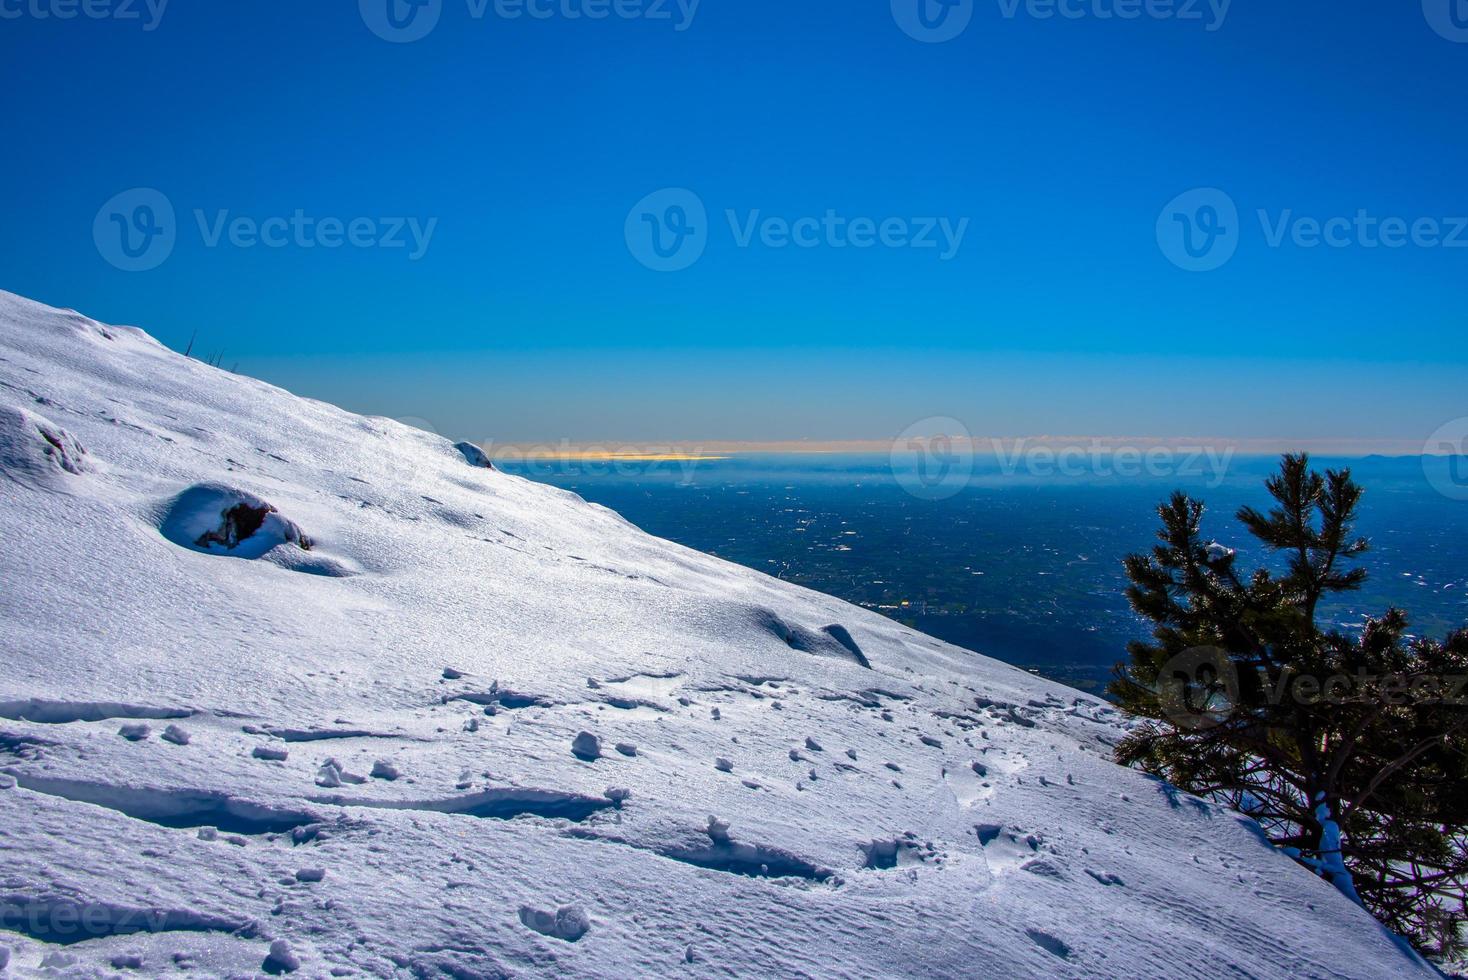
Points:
point(1060, 140)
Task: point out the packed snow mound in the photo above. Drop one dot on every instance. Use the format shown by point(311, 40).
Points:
point(34, 450)
point(523, 738)
point(217, 519)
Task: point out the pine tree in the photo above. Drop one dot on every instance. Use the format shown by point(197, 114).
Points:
point(1350, 750)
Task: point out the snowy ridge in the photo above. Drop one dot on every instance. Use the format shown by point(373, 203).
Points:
point(288, 689)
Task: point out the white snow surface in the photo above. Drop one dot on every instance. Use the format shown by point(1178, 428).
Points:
point(453, 629)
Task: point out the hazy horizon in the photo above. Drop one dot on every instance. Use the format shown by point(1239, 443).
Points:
point(981, 445)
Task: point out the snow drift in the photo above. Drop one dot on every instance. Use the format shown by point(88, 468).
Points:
point(783, 784)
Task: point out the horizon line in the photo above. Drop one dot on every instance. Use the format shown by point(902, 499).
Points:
point(681, 449)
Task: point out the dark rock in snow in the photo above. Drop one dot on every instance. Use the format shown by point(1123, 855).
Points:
point(474, 456)
point(281, 959)
point(586, 746)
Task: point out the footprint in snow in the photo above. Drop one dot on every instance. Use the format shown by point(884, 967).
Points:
point(568, 923)
point(1050, 944)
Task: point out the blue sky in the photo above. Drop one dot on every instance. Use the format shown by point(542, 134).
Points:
point(524, 144)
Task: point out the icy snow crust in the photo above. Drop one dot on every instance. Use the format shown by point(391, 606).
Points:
point(368, 764)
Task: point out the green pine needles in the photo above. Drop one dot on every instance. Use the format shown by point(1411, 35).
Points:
point(1350, 750)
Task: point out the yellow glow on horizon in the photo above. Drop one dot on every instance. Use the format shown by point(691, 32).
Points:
point(602, 456)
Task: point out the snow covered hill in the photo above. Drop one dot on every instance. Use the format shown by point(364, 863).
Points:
point(286, 689)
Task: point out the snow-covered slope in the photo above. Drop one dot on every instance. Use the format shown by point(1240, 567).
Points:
point(343, 730)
